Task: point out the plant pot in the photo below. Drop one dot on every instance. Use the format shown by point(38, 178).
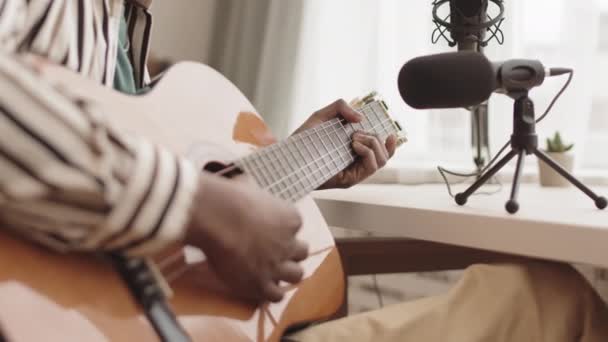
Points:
point(548, 177)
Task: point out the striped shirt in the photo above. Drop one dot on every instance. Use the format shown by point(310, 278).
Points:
point(67, 179)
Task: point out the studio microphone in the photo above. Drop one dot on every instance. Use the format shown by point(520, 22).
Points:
point(463, 79)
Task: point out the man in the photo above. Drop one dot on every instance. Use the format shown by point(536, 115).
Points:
point(71, 182)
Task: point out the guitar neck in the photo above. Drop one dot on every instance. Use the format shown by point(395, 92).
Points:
point(294, 167)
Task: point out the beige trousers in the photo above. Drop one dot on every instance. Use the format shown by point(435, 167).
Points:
point(537, 301)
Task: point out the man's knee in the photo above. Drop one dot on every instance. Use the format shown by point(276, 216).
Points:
point(539, 283)
point(550, 276)
point(536, 275)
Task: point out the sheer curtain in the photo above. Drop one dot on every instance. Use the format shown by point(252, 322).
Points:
point(254, 44)
point(347, 48)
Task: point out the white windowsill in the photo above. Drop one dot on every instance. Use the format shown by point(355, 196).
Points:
point(427, 173)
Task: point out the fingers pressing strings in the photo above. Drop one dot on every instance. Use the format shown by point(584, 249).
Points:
point(371, 148)
point(339, 107)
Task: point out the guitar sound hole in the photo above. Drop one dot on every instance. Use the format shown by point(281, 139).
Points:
point(214, 167)
point(223, 170)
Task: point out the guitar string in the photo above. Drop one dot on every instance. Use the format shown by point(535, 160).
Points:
point(291, 186)
point(329, 153)
point(281, 150)
point(300, 137)
point(249, 160)
point(293, 140)
point(281, 159)
point(328, 124)
point(313, 185)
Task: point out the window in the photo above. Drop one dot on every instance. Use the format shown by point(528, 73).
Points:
point(350, 47)
point(603, 38)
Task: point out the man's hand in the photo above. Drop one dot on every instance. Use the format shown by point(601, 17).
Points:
point(248, 237)
point(373, 153)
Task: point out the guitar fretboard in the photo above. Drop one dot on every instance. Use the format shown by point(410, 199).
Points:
point(301, 163)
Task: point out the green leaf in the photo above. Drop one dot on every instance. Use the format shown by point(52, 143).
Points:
point(549, 145)
point(556, 144)
point(559, 144)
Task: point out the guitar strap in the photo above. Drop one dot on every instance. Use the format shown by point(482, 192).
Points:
point(142, 283)
point(2, 338)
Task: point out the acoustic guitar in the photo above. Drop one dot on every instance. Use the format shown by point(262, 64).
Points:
point(196, 112)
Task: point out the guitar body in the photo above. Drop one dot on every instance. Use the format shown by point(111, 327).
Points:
point(195, 112)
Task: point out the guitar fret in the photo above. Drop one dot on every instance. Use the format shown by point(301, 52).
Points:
point(368, 127)
point(341, 144)
point(264, 170)
point(309, 182)
point(303, 188)
point(321, 167)
point(271, 157)
point(338, 153)
point(360, 126)
point(270, 167)
point(298, 185)
point(291, 157)
point(378, 118)
point(333, 152)
point(307, 168)
point(346, 134)
point(320, 145)
point(297, 158)
point(293, 176)
point(286, 166)
point(321, 140)
point(297, 171)
point(324, 151)
point(315, 157)
point(303, 161)
point(284, 170)
point(372, 118)
point(386, 129)
point(257, 171)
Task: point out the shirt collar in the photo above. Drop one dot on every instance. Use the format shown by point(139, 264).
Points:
point(143, 3)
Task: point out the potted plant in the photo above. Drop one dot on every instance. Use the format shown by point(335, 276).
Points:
point(559, 152)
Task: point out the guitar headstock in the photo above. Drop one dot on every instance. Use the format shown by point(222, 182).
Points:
point(374, 102)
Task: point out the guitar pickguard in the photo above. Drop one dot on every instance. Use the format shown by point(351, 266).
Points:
point(251, 129)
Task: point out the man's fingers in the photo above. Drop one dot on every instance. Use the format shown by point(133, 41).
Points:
point(340, 107)
point(272, 291)
point(300, 251)
point(391, 145)
point(379, 150)
point(291, 219)
point(290, 272)
point(368, 157)
point(347, 112)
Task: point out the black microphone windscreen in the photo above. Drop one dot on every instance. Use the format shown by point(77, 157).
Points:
point(447, 80)
point(467, 8)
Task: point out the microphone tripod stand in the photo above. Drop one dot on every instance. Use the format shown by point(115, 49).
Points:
point(524, 141)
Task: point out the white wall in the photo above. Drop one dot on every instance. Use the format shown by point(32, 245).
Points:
point(182, 28)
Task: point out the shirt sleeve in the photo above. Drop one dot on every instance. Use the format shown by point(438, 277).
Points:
point(72, 182)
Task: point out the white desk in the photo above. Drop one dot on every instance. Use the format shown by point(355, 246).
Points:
point(557, 224)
